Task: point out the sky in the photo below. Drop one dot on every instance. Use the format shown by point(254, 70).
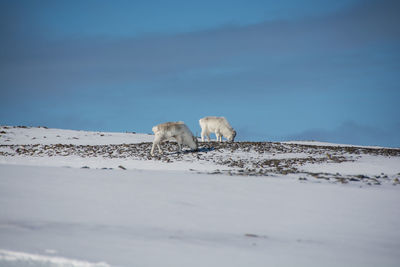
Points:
point(277, 70)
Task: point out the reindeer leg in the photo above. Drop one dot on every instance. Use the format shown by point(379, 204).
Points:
point(159, 148)
point(156, 142)
point(179, 140)
point(152, 149)
point(218, 135)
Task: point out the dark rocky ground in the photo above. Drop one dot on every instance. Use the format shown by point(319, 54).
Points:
point(239, 158)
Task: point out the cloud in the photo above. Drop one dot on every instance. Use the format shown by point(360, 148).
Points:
point(350, 132)
point(268, 53)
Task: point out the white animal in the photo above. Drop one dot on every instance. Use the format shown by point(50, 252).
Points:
point(218, 125)
point(177, 130)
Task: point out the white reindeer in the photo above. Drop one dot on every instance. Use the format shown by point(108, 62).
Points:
point(177, 130)
point(218, 125)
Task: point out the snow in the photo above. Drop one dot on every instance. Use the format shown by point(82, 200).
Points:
point(11, 258)
point(45, 136)
point(53, 212)
point(170, 218)
point(318, 143)
point(366, 165)
point(100, 163)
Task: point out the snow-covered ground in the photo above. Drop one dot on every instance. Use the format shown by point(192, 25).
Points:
point(154, 212)
point(318, 143)
point(41, 135)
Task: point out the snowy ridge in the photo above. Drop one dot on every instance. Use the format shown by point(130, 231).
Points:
point(318, 143)
point(305, 161)
point(42, 135)
point(12, 258)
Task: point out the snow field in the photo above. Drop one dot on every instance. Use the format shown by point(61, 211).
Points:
point(46, 136)
point(175, 218)
point(167, 211)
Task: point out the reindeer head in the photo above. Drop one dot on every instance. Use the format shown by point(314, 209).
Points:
point(231, 138)
point(196, 142)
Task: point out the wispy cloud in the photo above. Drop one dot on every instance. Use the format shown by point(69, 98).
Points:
point(271, 49)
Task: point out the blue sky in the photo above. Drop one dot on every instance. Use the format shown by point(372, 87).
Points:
point(278, 70)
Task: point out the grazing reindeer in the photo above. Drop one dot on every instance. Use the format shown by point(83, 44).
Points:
point(218, 125)
point(177, 130)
